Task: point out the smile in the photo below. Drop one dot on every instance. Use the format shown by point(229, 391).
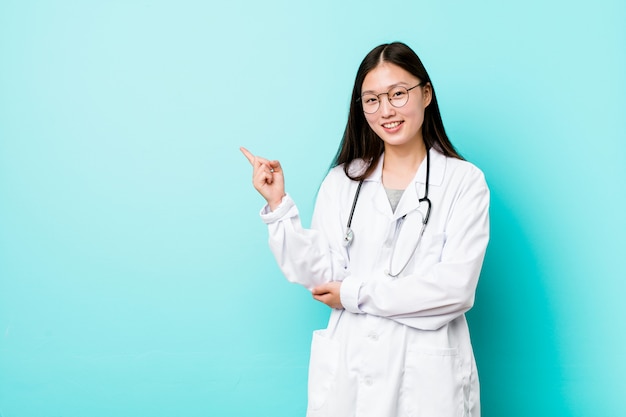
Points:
point(391, 125)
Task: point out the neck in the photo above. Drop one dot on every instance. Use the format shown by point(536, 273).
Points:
point(401, 164)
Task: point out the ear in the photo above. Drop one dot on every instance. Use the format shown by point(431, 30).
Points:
point(427, 94)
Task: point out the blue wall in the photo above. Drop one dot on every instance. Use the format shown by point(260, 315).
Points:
point(135, 278)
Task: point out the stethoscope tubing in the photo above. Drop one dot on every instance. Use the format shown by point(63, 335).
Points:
point(349, 235)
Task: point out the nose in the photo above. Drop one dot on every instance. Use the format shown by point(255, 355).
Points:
point(386, 108)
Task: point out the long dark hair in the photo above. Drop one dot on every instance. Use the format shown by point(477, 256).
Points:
point(360, 141)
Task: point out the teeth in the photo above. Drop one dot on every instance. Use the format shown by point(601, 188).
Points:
point(391, 125)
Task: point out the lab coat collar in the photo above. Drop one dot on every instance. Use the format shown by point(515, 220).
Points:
point(415, 190)
point(437, 169)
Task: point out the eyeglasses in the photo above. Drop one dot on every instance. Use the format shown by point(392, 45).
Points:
point(397, 96)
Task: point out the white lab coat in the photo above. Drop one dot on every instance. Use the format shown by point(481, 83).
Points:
point(401, 347)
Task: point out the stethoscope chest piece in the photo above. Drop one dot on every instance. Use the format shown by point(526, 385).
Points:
point(347, 239)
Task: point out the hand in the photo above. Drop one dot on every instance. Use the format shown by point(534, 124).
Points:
point(329, 294)
point(267, 178)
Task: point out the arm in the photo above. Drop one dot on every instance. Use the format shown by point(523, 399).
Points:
point(305, 256)
point(309, 257)
point(431, 299)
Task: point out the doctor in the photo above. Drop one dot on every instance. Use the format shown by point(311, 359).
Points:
point(397, 242)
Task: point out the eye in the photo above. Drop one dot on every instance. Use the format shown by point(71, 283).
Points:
point(398, 93)
point(370, 99)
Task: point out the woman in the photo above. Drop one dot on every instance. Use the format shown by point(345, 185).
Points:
point(396, 246)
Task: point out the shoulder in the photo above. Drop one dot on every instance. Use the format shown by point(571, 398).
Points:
point(463, 171)
point(463, 168)
point(337, 187)
point(337, 175)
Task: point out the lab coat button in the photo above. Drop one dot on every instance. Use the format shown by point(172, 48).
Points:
point(368, 382)
point(373, 336)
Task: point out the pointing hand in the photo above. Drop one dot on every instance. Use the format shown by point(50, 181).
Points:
point(267, 178)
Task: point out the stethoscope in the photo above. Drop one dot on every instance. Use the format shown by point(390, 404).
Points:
point(349, 236)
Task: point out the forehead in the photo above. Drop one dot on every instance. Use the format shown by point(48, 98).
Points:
point(386, 75)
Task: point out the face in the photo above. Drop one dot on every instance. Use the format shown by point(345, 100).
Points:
point(397, 126)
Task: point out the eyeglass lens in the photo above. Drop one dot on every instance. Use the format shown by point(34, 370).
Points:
point(397, 96)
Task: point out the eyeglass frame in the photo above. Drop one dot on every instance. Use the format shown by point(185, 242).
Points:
point(422, 83)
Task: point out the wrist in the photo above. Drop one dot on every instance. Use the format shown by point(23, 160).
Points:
point(286, 209)
point(275, 203)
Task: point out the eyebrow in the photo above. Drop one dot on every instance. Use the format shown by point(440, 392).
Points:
point(402, 83)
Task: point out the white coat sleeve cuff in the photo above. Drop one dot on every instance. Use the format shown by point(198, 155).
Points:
point(349, 294)
point(287, 208)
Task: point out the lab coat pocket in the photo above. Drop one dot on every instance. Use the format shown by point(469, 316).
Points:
point(433, 382)
point(322, 368)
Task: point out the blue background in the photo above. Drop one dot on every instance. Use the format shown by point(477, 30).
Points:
point(135, 278)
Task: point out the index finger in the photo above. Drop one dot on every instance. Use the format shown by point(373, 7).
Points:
point(247, 154)
point(320, 290)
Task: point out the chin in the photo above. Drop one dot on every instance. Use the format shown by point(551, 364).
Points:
point(396, 142)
